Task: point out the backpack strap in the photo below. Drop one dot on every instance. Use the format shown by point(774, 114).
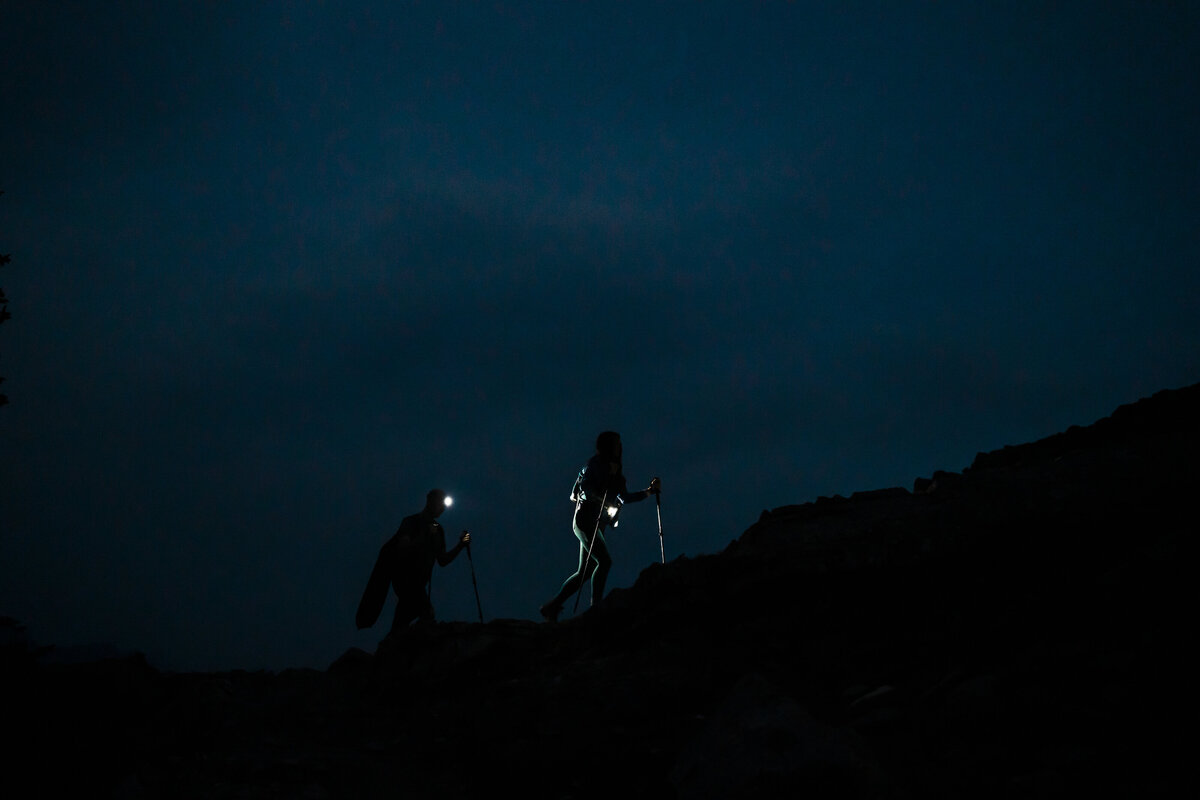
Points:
point(577, 489)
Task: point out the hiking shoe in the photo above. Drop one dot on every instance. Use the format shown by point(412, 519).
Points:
point(550, 611)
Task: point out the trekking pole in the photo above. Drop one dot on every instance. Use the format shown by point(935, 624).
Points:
point(658, 507)
point(474, 585)
point(587, 560)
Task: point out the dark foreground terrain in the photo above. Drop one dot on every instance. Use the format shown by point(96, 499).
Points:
point(1013, 630)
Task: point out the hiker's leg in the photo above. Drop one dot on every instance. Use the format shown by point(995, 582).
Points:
point(425, 613)
point(407, 609)
point(602, 563)
point(571, 584)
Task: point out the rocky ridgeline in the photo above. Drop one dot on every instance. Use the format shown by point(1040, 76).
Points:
point(1011, 630)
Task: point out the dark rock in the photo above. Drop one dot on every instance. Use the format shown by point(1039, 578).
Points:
point(880, 495)
point(761, 741)
point(1013, 629)
point(352, 661)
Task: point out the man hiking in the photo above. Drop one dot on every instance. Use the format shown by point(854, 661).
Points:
point(406, 562)
point(599, 493)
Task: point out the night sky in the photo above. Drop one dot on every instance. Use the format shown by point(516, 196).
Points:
point(276, 272)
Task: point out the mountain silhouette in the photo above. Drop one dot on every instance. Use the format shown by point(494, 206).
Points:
point(1013, 629)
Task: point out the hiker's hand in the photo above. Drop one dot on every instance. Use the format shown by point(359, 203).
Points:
point(465, 539)
point(655, 486)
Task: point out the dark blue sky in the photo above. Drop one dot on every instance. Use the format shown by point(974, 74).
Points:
point(278, 272)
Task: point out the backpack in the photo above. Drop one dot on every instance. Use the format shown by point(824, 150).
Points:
point(577, 489)
point(375, 595)
point(579, 497)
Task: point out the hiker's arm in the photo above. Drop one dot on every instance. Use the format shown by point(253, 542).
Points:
point(446, 556)
point(636, 497)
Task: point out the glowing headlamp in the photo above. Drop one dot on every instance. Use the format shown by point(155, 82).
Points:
point(449, 501)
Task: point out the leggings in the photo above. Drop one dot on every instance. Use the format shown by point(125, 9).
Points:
point(596, 567)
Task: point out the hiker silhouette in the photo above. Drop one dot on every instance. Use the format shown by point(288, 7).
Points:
point(406, 563)
point(599, 495)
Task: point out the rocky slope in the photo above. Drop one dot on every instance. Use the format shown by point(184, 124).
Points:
point(1012, 630)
